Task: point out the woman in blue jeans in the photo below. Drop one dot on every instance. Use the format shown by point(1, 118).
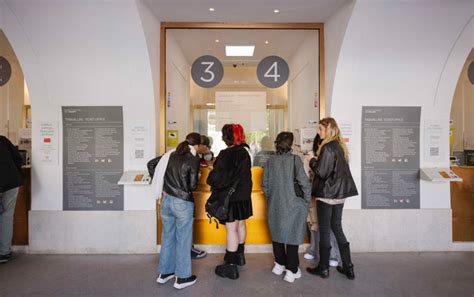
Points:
point(177, 173)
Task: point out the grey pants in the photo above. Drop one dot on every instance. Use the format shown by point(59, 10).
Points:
point(313, 249)
point(7, 209)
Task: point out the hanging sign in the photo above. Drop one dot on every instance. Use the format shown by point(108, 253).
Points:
point(273, 72)
point(207, 71)
point(5, 71)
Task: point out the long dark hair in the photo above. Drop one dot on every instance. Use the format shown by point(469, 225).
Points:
point(228, 134)
point(191, 139)
point(284, 142)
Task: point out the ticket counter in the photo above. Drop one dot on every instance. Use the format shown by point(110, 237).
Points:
point(206, 233)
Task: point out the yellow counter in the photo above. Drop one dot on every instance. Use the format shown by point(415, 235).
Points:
point(206, 233)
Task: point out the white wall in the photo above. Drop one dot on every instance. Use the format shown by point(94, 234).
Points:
point(88, 53)
point(151, 29)
point(303, 83)
point(178, 74)
point(402, 54)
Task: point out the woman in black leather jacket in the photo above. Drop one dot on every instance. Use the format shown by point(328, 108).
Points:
point(333, 184)
point(232, 169)
point(180, 171)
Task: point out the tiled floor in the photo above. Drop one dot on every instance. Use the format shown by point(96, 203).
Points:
point(382, 274)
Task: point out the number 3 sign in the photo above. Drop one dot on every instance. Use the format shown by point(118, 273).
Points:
point(207, 71)
point(273, 72)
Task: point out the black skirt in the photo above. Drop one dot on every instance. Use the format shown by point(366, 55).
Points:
point(239, 211)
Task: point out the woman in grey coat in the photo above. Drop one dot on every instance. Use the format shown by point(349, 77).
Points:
point(287, 212)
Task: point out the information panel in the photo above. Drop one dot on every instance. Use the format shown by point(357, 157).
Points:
point(390, 157)
point(92, 157)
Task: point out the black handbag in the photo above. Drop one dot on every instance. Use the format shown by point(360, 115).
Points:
point(217, 206)
point(298, 191)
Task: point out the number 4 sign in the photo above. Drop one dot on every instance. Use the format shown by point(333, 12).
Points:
point(273, 72)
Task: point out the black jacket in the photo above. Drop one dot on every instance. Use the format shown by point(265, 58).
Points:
point(181, 176)
point(332, 176)
point(232, 164)
point(10, 165)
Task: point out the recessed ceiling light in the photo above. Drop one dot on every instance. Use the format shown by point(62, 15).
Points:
point(267, 42)
point(217, 40)
point(276, 11)
point(239, 50)
point(211, 9)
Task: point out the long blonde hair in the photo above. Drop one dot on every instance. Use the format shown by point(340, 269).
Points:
point(333, 133)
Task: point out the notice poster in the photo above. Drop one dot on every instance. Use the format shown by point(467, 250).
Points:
point(49, 143)
point(434, 148)
point(390, 157)
point(92, 157)
point(246, 108)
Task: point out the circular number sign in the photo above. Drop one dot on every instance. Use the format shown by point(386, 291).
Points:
point(273, 72)
point(5, 71)
point(470, 73)
point(207, 71)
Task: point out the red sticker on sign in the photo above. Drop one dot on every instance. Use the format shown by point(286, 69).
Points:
point(47, 140)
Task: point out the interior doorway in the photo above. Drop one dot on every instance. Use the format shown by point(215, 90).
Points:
point(462, 153)
point(292, 101)
point(15, 124)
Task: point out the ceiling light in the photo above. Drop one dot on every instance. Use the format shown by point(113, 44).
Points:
point(210, 104)
point(276, 11)
point(239, 50)
point(211, 9)
point(267, 42)
point(217, 40)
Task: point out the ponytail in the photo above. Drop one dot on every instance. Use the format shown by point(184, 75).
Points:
point(191, 139)
point(183, 148)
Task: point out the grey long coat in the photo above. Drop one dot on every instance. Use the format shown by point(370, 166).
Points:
point(287, 213)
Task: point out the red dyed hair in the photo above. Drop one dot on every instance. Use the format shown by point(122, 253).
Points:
point(239, 135)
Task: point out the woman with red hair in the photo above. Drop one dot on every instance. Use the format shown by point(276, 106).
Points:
point(232, 170)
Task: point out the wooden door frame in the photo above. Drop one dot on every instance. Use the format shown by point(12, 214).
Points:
point(200, 25)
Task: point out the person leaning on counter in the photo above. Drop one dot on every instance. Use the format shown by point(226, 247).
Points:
point(10, 181)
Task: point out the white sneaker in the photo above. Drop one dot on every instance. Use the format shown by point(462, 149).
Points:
point(333, 263)
point(278, 269)
point(290, 276)
point(308, 256)
point(164, 278)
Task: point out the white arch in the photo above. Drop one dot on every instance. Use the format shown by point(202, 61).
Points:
point(15, 34)
point(453, 67)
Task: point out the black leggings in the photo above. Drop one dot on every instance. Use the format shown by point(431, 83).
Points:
point(286, 255)
point(330, 217)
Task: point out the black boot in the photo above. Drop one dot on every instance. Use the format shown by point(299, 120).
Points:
point(241, 254)
point(347, 267)
point(229, 268)
point(323, 267)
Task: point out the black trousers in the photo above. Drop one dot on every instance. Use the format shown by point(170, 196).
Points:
point(330, 217)
point(287, 255)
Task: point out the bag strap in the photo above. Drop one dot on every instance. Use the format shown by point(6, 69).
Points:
point(294, 167)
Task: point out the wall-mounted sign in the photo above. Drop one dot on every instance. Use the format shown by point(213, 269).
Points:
point(207, 71)
point(5, 71)
point(92, 157)
point(48, 143)
point(390, 157)
point(273, 72)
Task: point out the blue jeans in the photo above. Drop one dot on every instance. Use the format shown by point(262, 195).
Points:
point(7, 209)
point(313, 248)
point(176, 236)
